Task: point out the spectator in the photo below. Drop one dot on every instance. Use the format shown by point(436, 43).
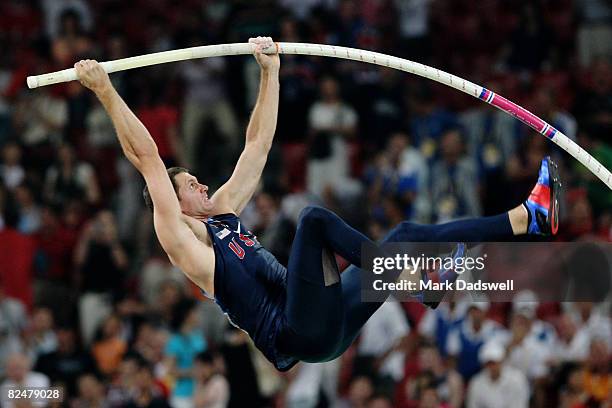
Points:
point(593, 317)
point(360, 391)
point(466, 340)
point(92, 392)
point(158, 274)
point(428, 120)
point(12, 322)
point(312, 383)
point(298, 82)
point(146, 391)
point(68, 362)
point(70, 179)
point(446, 382)
point(99, 129)
point(573, 341)
point(413, 20)
point(128, 202)
point(169, 294)
point(19, 375)
point(429, 399)
point(594, 32)
point(525, 304)
point(55, 9)
point(40, 336)
point(454, 181)
point(598, 372)
point(438, 323)
point(274, 230)
point(385, 103)
point(400, 172)
point(100, 261)
point(30, 213)
point(497, 385)
point(574, 395)
point(55, 243)
point(109, 349)
point(12, 173)
point(378, 352)
point(39, 118)
point(183, 345)
point(122, 387)
point(211, 387)
point(546, 107)
point(206, 100)
point(523, 165)
point(525, 353)
point(492, 137)
point(332, 123)
point(530, 340)
point(70, 42)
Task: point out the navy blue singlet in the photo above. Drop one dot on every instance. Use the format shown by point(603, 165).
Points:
point(250, 285)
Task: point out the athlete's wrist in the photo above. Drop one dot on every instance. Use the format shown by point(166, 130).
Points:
point(104, 92)
point(270, 71)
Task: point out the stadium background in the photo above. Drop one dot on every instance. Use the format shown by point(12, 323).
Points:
point(89, 301)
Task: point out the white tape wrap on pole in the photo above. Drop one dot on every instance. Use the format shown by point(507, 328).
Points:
point(369, 57)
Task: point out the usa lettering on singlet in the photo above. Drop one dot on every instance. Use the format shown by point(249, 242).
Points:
point(250, 284)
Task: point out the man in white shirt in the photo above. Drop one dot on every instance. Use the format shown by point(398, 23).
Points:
point(497, 385)
point(19, 376)
point(466, 340)
point(385, 329)
point(573, 341)
point(332, 122)
point(530, 341)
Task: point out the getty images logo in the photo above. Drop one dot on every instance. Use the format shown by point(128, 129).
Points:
point(413, 264)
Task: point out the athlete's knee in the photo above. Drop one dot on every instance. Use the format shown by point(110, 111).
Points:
point(313, 214)
point(405, 231)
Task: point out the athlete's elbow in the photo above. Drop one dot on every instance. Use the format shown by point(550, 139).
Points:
point(146, 149)
point(261, 142)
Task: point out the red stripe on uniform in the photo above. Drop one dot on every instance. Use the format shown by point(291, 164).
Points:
point(541, 195)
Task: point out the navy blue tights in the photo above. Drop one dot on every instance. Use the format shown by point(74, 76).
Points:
point(323, 320)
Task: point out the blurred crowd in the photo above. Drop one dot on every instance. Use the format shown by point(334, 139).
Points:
point(89, 301)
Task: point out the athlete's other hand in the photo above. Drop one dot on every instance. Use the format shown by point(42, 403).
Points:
point(270, 61)
point(92, 75)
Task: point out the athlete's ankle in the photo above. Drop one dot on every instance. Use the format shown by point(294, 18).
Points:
point(519, 220)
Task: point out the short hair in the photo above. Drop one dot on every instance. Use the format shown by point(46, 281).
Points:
point(172, 172)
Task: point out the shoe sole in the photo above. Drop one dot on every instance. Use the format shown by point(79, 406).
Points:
point(555, 187)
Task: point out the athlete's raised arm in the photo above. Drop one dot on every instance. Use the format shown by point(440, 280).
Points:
point(260, 132)
point(175, 236)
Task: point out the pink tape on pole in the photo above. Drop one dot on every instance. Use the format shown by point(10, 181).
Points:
point(518, 112)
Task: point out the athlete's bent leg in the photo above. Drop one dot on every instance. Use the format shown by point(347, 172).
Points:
point(538, 215)
point(314, 308)
point(472, 230)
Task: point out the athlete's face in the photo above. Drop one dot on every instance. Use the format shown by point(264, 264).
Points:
point(193, 196)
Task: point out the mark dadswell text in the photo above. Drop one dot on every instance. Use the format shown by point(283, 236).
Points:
point(411, 286)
